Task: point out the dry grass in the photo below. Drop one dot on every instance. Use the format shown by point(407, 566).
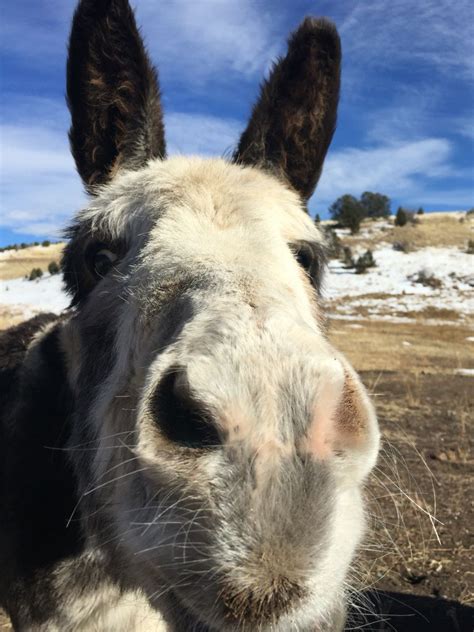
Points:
point(18, 263)
point(407, 347)
point(433, 229)
point(10, 316)
point(420, 494)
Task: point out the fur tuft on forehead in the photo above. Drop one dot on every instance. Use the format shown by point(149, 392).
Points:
point(222, 192)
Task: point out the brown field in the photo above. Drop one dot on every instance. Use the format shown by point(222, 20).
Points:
point(18, 263)
point(420, 495)
point(433, 229)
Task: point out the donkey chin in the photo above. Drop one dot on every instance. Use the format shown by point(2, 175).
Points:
point(184, 449)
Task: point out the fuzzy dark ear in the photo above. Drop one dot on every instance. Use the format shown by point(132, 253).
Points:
point(293, 122)
point(112, 93)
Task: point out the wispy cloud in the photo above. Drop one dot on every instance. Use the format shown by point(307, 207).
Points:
point(464, 126)
point(434, 32)
point(400, 169)
point(198, 40)
point(410, 115)
point(200, 134)
point(39, 187)
point(191, 41)
point(461, 198)
point(36, 31)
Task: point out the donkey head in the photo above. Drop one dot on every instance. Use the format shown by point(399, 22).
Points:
point(232, 439)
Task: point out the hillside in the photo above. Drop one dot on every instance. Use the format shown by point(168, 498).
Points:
point(18, 263)
point(421, 271)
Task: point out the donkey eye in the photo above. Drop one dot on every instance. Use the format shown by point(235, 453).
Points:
point(103, 261)
point(304, 257)
point(311, 257)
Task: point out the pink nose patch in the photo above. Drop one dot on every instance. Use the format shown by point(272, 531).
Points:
point(322, 430)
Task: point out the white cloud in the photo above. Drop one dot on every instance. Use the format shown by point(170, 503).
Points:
point(398, 169)
point(33, 150)
point(39, 187)
point(40, 190)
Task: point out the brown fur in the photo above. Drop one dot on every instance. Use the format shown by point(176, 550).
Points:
point(14, 342)
point(252, 607)
point(294, 120)
point(112, 92)
point(351, 415)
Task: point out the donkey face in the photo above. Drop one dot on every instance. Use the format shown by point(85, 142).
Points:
point(232, 439)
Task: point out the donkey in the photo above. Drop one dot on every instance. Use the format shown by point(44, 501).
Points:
point(183, 449)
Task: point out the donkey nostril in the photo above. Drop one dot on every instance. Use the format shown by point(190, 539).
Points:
point(181, 417)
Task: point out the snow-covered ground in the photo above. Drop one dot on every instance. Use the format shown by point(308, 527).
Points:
point(393, 277)
point(384, 292)
point(32, 297)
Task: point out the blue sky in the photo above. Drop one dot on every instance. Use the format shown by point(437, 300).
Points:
point(406, 117)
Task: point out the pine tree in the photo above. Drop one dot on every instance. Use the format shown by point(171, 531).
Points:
point(401, 217)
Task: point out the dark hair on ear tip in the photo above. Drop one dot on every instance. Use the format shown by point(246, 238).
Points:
point(293, 122)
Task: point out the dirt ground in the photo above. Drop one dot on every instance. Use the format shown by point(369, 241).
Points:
point(421, 494)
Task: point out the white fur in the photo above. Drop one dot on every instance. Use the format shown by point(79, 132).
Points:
point(220, 234)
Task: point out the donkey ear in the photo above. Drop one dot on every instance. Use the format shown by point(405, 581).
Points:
point(294, 120)
point(112, 93)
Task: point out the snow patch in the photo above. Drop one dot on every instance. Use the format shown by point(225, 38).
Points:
point(388, 290)
point(466, 372)
point(32, 297)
